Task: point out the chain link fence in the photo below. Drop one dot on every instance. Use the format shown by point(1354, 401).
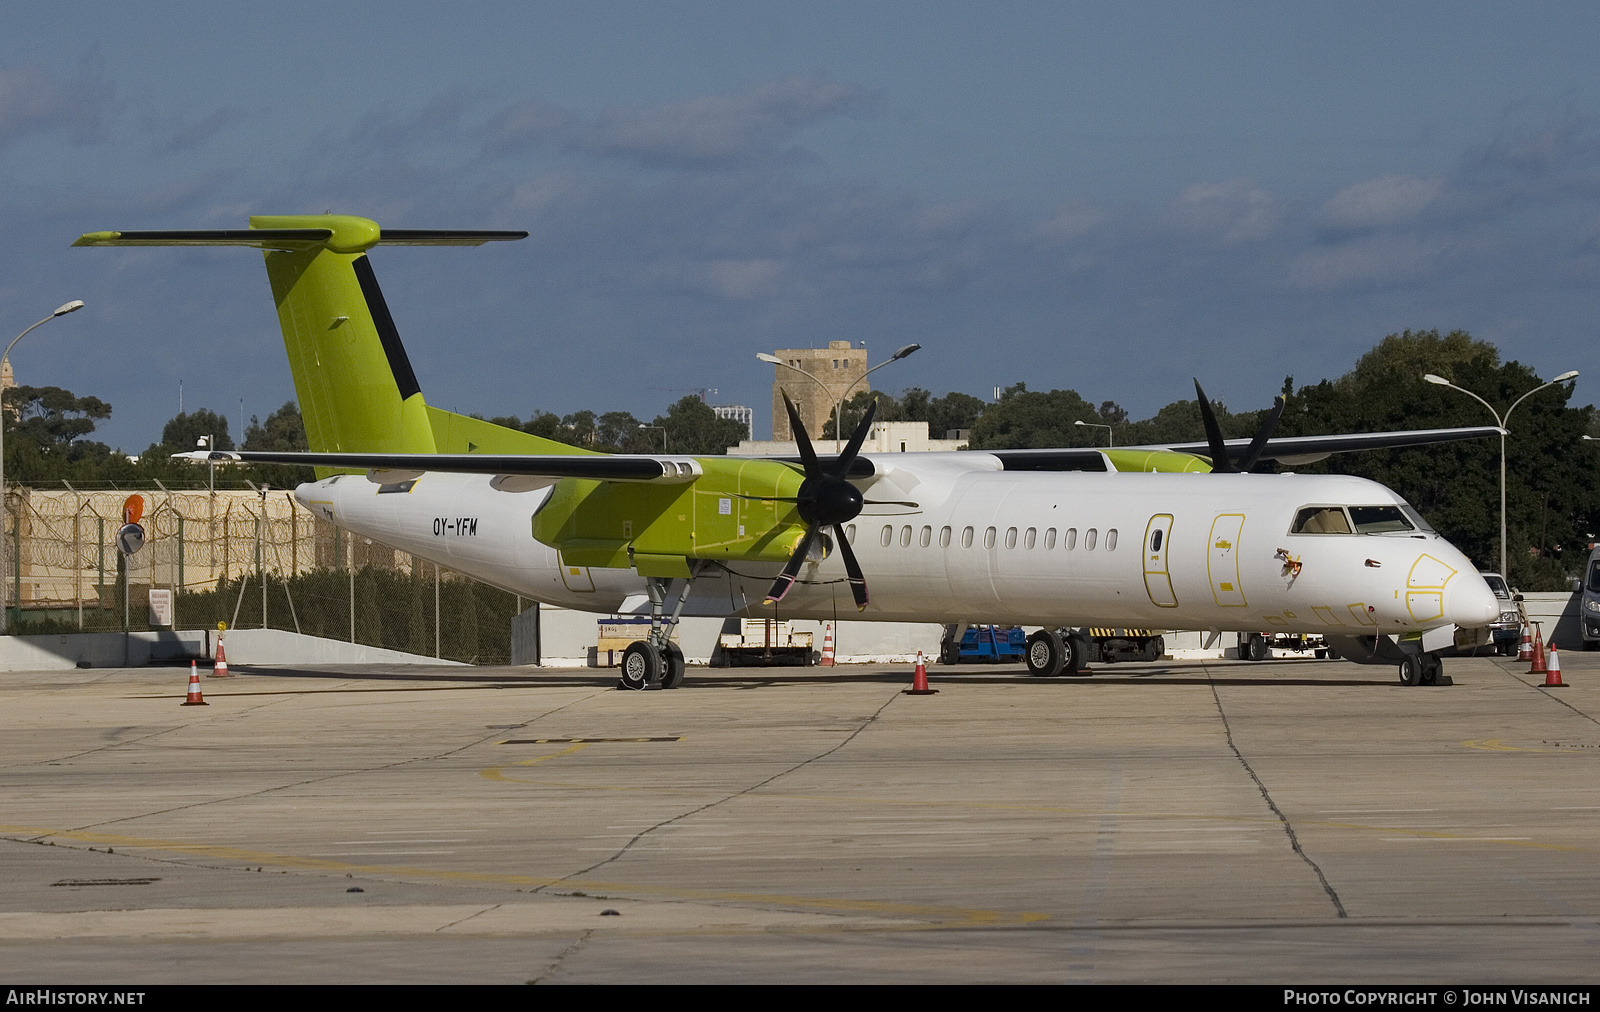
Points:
point(252, 559)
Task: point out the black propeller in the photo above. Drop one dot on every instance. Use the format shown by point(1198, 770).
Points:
point(1220, 461)
point(825, 500)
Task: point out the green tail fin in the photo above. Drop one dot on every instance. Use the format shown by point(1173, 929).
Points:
point(356, 388)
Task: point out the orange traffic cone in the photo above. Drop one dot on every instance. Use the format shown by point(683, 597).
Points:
point(1538, 667)
point(220, 668)
point(827, 646)
point(195, 698)
point(1525, 648)
point(1552, 677)
point(919, 681)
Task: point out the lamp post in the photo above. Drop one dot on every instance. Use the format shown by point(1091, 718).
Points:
point(210, 443)
point(1111, 439)
point(663, 434)
point(71, 307)
point(838, 403)
point(1500, 420)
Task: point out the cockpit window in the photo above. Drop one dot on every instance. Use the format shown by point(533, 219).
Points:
point(1321, 520)
point(1416, 519)
point(1380, 520)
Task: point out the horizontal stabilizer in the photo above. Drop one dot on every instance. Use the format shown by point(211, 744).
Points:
point(291, 238)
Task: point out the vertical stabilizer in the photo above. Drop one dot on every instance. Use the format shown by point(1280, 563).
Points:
point(356, 387)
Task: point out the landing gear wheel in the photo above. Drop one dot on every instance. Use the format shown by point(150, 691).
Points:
point(672, 666)
point(641, 666)
point(949, 652)
point(1411, 670)
point(1253, 647)
point(1046, 653)
point(1432, 669)
point(1075, 658)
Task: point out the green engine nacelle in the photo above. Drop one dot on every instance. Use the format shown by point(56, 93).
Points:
point(658, 528)
point(1155, 460)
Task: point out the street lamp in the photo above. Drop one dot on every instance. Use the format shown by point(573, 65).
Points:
point(71, 307)
point(1111, 439)
point(839, 401)
point(663, 434)
point(210, 443)
point(1500, 420)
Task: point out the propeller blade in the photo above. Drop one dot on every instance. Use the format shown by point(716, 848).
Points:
point(842, 466)
point(1253, 451)
point(808, 456)
point(852, 568)
point(1220, 464)
point(889, 502)
point(791, 569)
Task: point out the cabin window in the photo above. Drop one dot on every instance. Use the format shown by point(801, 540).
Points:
point(905, 536)
point(1111, 540)
point(1069, 540)
point(1088, 539)
point(1049, 538)
point(1379, 520)
point(1155, 540)
point(887, 536)
point(850, 533)
point(1321, 520)
point(1011, 537)
point(1028, 537)
point(988, 537)
point(944, 537)
point(927, 537)
point(966, 537)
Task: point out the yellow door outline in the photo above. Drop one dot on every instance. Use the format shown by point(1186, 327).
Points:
point(1157, 580)
point(1222, 560)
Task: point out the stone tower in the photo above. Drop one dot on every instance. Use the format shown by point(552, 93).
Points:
point(838, 368)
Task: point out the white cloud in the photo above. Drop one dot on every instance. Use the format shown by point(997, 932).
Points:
point(1380, 260)
point(1234, 212)
point(1376, 203)
point(713, 128)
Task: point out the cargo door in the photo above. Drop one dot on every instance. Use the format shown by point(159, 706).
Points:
point(1222, 560)
point(577, 578)
point(1157, 581)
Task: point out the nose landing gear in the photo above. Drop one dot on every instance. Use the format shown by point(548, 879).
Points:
point(1423, 669)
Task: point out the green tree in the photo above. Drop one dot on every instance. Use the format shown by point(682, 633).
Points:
point(692, 427)
point(284, 431)
point(1551, 481)
point(183, 430)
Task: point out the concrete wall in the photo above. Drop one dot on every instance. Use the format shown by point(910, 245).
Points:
point(1557, 614)
point(243, 646)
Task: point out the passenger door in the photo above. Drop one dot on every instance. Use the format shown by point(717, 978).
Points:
point(1157, 580)
point(1222, 560)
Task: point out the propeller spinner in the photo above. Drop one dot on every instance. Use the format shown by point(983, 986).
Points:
point(825, 499)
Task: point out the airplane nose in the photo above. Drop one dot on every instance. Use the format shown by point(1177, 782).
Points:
point(1473, 603)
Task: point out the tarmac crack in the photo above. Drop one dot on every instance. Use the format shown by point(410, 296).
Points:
point(1548, 695)
point(736, 794)
point(1283, 820)
point(571, 950)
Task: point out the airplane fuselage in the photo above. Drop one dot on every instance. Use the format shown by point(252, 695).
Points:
point(1171, 551)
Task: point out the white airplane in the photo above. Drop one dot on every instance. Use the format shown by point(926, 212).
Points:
point(1137, 536)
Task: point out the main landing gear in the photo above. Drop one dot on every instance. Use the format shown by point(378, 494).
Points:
point(656, 662)
point(1052, 652)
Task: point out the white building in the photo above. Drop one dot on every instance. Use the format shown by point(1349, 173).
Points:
point(883, 437)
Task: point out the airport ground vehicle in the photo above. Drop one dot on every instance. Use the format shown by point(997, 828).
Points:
point(1505, 633)
point(980, 643)
point(1079, 647)
point(1589, 609)
point(1259, 646)
point(763, 642)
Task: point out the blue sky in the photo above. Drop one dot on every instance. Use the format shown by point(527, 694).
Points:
point(1105, 197)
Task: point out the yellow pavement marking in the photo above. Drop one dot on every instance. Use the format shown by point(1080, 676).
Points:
point(1055, 810)
point(941, 915)
point(1496, 745)
point(493, 773)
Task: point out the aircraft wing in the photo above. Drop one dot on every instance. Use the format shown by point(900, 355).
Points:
point(395, 467)
point(1287, 449)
